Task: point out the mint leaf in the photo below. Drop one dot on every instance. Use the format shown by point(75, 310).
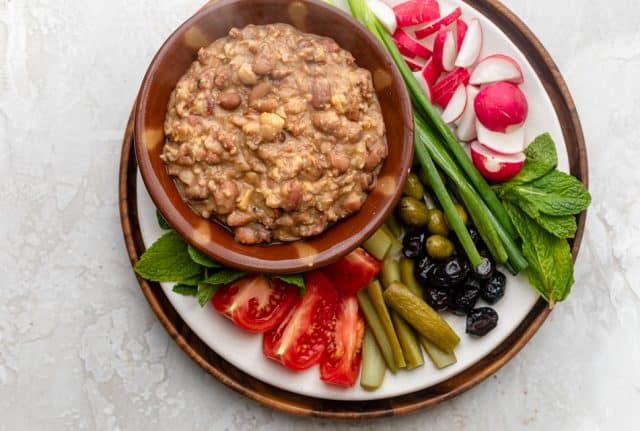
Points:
point(185, 290)
point(556, 193)
point(224, 276)
point(161, 221)
point(295, 279)
point(193, 281)
point(201, 259)
point(559, 226)
point(205, 293)
point(550, 269)
point(542, 158)
point(167, 260)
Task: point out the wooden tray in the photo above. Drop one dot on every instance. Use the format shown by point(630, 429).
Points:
point(293, 403)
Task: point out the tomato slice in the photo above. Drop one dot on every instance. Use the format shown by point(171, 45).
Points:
point(302, 337)
point(256, 303)
point(353, 272)
point(340, 364)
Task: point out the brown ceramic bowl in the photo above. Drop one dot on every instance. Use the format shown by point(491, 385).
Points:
point(171, 63)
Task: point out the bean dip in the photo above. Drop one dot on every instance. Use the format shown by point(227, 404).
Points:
point(275, 133)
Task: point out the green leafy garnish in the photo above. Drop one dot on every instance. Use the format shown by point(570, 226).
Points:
point(201, 259)
point(186, 290)
point(560, 226)
point(550, 269)
point(224, 276)
point(295, 279)
point(161, 221)
point(167, 260)
point(205, 293)
point(541, 159)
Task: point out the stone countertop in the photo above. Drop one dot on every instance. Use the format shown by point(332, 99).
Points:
point(79, 346)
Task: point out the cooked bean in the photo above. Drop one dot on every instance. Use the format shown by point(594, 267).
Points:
point(229, 101)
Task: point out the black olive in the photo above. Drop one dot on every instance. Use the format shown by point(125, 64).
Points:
point(413, 243)
point(480, 321)
point(493, 289)
point(464, 299)
point(484, 271)
point(438, 299)
point(451, 273)
point(422, 268)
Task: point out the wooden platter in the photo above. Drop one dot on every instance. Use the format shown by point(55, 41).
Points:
point(293, 403)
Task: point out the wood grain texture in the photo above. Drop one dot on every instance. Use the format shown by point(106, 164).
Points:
point(292, 403)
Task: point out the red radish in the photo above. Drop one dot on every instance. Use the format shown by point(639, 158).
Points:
point(501, 106)
point(433, 27)
point(415, 12)
point(496, 167)
point(443, 90)
point(409, 47)
point(456, 106)
point(385, 14)
point(496, 68)
point(424, 84)
point(461, 32)
point(412, 65)
point(466, 130)
point(445, 50)
point(503, 143)
point(470, 48)
point(430, 72)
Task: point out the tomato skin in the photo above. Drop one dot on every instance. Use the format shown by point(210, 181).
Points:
point(301, 339)
point(353, 272)
point(255, 303)
point(340, 363)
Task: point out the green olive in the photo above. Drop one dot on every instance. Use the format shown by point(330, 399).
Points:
point(413, 187)
point(439, 247)
point(414, 213)
point(437, 223)
point(462, 213)
point(425, 180)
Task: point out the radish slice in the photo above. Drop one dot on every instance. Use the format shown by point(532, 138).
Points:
point(503, 143)
point(470, 48)
point(443, 90)
point(385, 14)
point(425, 86)
point(496, 68)
point(412, 65)
point(435, 26)
point(430, 72)
point(466, 130)
point(501, 106)
point(410, 47)
point(461, 32)
point(415, 12)
point(496, 167)
point(445, 51)
point(456, 106)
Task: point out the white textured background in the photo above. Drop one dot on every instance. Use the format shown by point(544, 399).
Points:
point(79, 347)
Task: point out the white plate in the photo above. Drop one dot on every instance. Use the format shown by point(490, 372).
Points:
point(243, 350)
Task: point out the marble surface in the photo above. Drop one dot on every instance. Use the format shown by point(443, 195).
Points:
point(79, 346)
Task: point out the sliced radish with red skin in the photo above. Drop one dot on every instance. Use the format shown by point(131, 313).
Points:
point(495, 68)
point(503, 143)
point(466, 130)
point(385, 14)
point(456, 106)
point(471, 46)
point(431, 72)
point(496, 167)
point(445, 50)
point(433, 27)
point(501, 106)
point(443, 90)
point(415, 12)
point(425, 85)
point(410, 47)
point(412, 65)
point(461, 32)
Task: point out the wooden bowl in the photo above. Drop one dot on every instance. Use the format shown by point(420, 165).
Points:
point(172, 61)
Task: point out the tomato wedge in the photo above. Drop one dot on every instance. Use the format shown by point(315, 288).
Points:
point(353, 272)
point(340, 364)
point(256, 303)
point(302, 337)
